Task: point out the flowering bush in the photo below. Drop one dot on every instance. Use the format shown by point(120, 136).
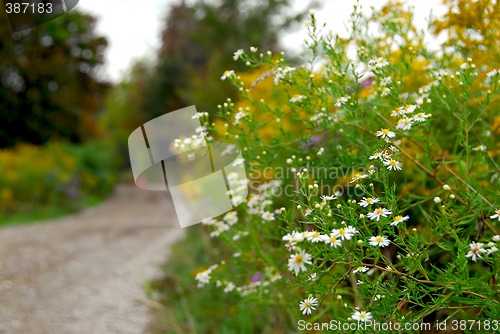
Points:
point(377, 198)
point(38, 178)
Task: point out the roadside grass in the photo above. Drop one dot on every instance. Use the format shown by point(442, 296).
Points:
point(179, 306)
point(31, 214)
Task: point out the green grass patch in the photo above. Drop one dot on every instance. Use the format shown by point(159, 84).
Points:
point(33, 214)
point(179, 306)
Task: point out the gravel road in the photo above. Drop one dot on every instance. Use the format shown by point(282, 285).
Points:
point(83, 274)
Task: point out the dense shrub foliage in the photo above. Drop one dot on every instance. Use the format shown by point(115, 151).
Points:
point(374, 175)
point(55, 175)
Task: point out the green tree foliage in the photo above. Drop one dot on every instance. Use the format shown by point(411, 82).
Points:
point(124, 107)
point(48, 80)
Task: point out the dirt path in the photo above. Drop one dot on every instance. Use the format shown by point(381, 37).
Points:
point(83, 274)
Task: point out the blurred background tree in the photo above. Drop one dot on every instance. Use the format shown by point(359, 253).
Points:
point(197, 44)
point(49, 81)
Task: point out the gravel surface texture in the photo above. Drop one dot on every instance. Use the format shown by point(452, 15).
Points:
point(83, 274)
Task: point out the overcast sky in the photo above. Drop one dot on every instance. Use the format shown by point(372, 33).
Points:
point(133, 26)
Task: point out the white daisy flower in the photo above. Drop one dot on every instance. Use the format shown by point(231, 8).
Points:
point(314, 236)
point(492, 73)
point(380, 241)
point(342, 100)
point(409, 108)
point(239, 115)
point(496, 237)
point(307, 305)
point(253, 49)
point(229, 287)
point(378, 62)
point(312, 277)
point(380, 212)
point(297, 98)
point(479, 148)
point(420, 117)
point(361, 316)
point(298, 261)
point(492, 250)
point(399, 219)
point(345, 233)
point(290, 247)
point(385, 133)
point(393, 164)
point(294, 237)
point(399, 111)
point(331, 239)
point(231, 217)
point(437, 199)
point(209, 221)
point(227, 74)
point(385, 81)
point(268, 216)
point(203, 277)
point(385, 91)
point(368, 201)
point(361, 269)
point(238, 54)
point(404, 123)
point(380, 155)
point(358, 176)
point(281, 73)
point(325, 198)
point(476, 249)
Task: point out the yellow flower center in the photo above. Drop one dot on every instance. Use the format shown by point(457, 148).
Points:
point(299, 259)
point(379, 239)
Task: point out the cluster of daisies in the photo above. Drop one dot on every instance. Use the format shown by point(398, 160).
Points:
point(300, 259)
point(477, 249)
point(257, 281)
point(407, 119)
point(258, 204)
point(386, 156)
point(310, 304)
